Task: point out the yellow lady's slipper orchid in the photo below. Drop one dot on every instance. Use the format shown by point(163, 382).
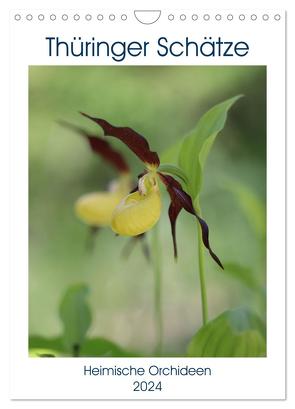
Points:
point(140, 210)
point(96, 208)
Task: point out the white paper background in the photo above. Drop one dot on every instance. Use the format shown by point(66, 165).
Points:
point(233, 378)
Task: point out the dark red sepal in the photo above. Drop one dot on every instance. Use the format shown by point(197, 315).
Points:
point(135, 142)
point(181, 200)
point(101, 147)
point(173, 212)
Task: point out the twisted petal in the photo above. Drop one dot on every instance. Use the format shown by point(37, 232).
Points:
point(181, 200)
point(101, 147)
point(137, 213)
point(136, 142)
point(173, 212)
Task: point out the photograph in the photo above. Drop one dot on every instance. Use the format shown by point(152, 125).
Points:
point(147, 211)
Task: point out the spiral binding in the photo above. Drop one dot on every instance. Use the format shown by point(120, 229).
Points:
point(163, 16)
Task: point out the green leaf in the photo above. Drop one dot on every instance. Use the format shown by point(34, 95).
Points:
point(198, 143)
point(55, 343)
point(104, 347)
point(234, 333)
point(76, 317)
point(171, 154)
point(173, 170)
point(91, 347)
point(43, 353)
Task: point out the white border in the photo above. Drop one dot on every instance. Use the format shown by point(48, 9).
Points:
point(231, 372)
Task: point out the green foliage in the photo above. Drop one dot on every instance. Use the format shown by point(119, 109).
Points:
point(76, 317)
point(197, 144)
point(171, 154)
point(174, 170)
point(43, 353)
point(191, 151)
point(53, 343)
point(91, 347)
point(234, 333)
point(104, 347)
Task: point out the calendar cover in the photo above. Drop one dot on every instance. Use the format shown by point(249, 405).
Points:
point(148, 203)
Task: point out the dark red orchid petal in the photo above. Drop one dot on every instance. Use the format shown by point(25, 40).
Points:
point(101, 147)
point(173, 212)
point(135, 189)
point(180, 199)
point(136, 142)
point(104, 149)
point(175, 207)
point(205, 238)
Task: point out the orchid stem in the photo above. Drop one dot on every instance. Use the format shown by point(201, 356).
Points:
point(201, 268)
point(157, 264)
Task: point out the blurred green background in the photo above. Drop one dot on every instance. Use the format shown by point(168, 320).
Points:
point(162, 103)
